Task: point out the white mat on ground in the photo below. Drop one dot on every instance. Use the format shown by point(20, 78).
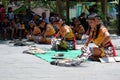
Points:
point(109, 59)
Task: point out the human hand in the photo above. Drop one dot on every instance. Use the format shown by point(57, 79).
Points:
point(84, 48)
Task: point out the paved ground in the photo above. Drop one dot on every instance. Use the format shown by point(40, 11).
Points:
point(14, 65)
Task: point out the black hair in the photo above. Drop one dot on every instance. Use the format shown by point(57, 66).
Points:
point(31, 28)
point(9, 8)
point(97, 31)
point(95, 5)
point(63, 24)
point(40, 21)
point(45, 26)
point(82, 14)
point(74, 18)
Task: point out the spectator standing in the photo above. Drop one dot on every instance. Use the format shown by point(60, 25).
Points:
point(2, 12)
point(44, 17)
point(93, 9)
point(10, 14)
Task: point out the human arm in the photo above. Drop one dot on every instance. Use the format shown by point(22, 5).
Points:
point(62, 33)
point(88, 41)
point(106, 39)
point(66, 32)
point(81, 29)
point(58, 34)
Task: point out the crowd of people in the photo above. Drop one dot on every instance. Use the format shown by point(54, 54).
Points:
point(24, 25)
point(41, 29)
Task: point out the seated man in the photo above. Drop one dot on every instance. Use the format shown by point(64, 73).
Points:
point(78, 29)
point(33, 32)
point(65, 33)
point(47, 32)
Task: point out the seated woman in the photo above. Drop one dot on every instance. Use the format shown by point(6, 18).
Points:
point(47, 32)
point(6, 29)
point(99, 35)
point(65, 32)
point(33, 32)
point(78, 29)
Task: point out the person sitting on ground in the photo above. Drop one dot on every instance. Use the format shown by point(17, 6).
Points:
point(78, 29)
point(36, 19)
point(52, 23)
point(99, 35)
point(33, 32)
point(6, 29)
point(47, 32)
point(65, 33)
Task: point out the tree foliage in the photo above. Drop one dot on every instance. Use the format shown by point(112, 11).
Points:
point(44, 3)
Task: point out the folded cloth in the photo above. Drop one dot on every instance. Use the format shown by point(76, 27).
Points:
point(66, 62)
point(34, 50)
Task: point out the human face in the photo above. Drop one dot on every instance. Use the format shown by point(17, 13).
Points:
point(76, 21)
point(42, 24)
point(92, 23)
point(31, 24)
point(35, 17)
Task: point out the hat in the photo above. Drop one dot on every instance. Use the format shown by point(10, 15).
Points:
point(93, 16)
point(56, 19)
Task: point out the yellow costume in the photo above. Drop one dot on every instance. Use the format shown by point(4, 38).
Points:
point(49, 33)
point(79, 30)
point(22, 26)
point(35, 32)
point(63, 31)
point(49, 30)
point(100, 38)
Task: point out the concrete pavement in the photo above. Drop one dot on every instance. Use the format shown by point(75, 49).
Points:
point(14, 65)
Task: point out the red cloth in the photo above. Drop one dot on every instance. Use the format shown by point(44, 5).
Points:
point(114, 52)
point(74, 43)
